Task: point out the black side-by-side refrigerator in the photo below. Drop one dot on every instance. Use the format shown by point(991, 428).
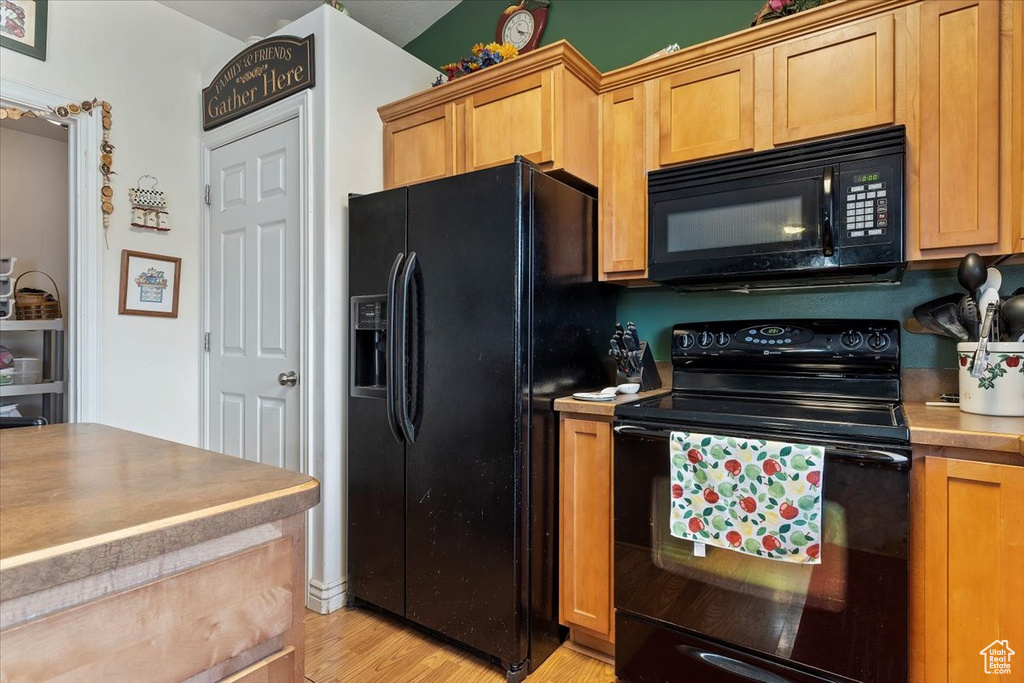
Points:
point(474, 304)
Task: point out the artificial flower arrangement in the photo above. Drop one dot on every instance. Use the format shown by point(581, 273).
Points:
point(776, 9)
point(483, 56)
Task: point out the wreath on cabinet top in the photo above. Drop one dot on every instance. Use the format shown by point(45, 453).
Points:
point(106, 148)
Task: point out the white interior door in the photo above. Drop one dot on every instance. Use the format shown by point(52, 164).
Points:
point(254, 297)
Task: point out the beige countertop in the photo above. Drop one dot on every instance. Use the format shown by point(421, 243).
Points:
point(604, 408)
point(942, 426)
point(80, 499)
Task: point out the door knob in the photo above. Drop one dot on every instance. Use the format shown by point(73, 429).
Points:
point(288, 379)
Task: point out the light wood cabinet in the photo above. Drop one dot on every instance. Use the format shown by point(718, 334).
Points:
point(967, 559)
point(542, 106)
point(707, 111)
point(420, 146)
point(957, 150)
point(585, 523)
point(622, 243)
point(510, 119)
point(835, 81)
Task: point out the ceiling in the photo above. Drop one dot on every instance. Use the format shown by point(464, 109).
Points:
point(37, 126)
point(397, 20)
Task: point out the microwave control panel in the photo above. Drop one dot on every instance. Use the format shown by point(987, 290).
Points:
point(866, 200)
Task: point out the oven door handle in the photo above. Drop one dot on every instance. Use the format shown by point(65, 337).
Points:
point(867, 456)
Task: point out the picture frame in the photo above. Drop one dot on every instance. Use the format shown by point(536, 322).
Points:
point(23, 26)
point(149, 284)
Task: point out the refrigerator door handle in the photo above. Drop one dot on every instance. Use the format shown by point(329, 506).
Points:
point(409, 381)
point(391, 359)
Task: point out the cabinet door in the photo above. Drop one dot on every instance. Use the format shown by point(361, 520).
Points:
point(586, 525)
point(707, 111)
point(973, 558)
point(420, 147)
point(834, 82)
point(510, 119)
point(958, 92)
point(622, 221)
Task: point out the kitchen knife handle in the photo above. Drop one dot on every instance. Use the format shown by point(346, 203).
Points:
point(405, 420)
point(391, 342)
point(827, 219)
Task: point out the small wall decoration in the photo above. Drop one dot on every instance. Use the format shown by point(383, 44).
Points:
point(149, 284)
point(522, 24)
point(776, 9)
point(106, 148)
point(23, 26)
point(149, 206)
point(260, 74)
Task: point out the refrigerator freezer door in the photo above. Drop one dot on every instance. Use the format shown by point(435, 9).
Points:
point(463, 478)
point(376, 461)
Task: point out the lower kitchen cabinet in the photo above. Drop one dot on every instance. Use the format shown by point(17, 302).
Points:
point(586, 527)
point(967, 567)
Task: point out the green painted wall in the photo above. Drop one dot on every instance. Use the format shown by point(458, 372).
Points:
point(610, 33)
point(614, 33)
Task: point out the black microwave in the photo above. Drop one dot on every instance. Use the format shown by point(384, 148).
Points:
point(821, 213)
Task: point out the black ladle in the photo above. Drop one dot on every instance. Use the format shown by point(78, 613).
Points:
point(1012, 311)
point(972, 273)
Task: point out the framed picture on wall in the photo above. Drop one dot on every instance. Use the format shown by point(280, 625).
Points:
point(149, 284)
point(23, 26)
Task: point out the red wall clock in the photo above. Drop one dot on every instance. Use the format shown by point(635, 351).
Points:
point(522, 24)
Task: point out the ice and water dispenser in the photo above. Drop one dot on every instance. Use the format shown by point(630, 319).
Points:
point(368, 346)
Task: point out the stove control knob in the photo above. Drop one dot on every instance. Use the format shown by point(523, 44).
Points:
point(705, 339)
point(685, 341)
point(878, 341)
point(722, 339)
point(851, 339)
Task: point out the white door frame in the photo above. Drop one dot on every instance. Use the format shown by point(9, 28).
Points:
point(84, 298)
point(299, 107)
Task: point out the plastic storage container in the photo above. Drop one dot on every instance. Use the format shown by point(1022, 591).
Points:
point(1000, 389)
point(28, 370)
point(7, 265)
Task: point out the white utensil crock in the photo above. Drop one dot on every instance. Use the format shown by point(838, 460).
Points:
point(1000, 390)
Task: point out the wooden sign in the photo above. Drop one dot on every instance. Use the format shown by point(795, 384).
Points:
point(261, 74)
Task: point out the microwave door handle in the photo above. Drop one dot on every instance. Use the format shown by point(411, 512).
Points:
point(827, 217)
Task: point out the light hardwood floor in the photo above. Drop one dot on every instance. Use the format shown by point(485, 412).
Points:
point(359, 646)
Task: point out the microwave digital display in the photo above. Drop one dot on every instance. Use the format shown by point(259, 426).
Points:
point(867, 177)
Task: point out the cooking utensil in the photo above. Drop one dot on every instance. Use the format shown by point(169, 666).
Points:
point(967, 311)
point(980, 360)
point(985, 299)
point(1013, 314)
point(972, 273)
point(941, 316)
point(994, 280)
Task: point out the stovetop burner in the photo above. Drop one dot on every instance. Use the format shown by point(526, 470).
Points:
point(818, 378)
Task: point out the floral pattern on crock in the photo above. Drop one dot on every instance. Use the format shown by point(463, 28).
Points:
point(995, 370)
point(749, 495)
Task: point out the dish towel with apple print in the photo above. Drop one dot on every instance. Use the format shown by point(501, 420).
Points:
point(749, 495)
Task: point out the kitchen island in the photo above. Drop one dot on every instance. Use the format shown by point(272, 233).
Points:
point(124, 557)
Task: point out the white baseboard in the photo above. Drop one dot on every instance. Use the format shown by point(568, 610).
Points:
point(325, 598)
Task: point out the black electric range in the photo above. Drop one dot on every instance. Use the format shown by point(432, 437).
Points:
point(681, 616)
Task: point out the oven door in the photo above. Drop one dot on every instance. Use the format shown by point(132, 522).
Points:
point(760, 226)
point(845, 619)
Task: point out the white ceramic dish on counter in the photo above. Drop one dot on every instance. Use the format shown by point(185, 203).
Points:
point(1000, 389)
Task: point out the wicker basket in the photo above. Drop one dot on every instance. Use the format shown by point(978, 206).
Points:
point(32, 306)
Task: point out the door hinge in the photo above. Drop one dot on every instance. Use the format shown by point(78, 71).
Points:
point(206, 341)
point(207, 195)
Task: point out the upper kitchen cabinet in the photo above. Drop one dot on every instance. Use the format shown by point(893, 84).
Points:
point(420, 146)
point(706, 111)
point(835, 81)
point(962, 151)
point(542, 106)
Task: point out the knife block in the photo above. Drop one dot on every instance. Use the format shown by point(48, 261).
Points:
point(648, 378)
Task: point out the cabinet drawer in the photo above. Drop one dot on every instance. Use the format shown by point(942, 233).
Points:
point(276, 668)
point(834, 82)
point(623, 181)
point(420, 147)
point(510, 119)
point(707, 111)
